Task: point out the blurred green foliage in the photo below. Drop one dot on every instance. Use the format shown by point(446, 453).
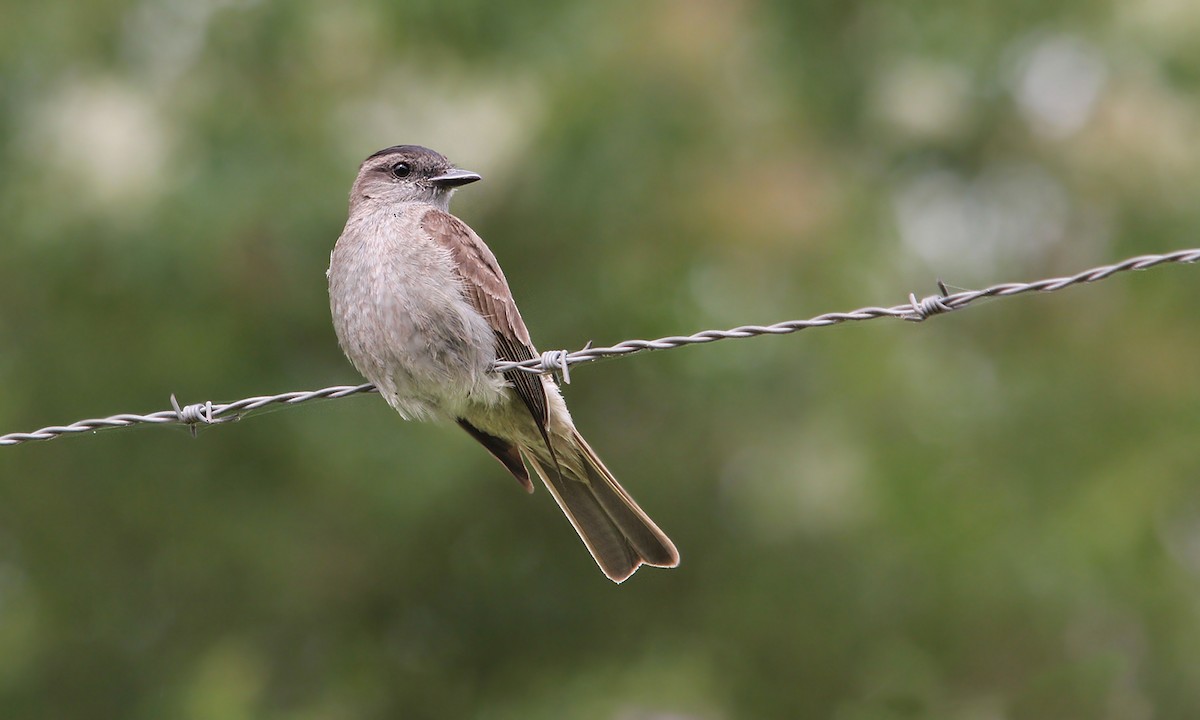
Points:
point(995, 514)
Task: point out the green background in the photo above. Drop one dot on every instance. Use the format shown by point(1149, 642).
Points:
point(994, 514)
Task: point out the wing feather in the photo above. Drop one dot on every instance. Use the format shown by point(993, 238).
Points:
point(487, 290)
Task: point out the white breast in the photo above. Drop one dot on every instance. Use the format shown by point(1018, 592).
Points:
point(401, 317)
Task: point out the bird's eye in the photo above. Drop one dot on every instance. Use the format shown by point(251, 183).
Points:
point(401, 169)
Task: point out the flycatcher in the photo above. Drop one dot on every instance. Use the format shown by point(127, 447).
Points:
point(422, 309)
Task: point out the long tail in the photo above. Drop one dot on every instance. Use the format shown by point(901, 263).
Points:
point(618, 533)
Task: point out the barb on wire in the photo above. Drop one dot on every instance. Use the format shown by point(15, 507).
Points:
point(210, 413)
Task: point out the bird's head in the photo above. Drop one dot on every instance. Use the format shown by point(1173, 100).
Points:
point(408, 173)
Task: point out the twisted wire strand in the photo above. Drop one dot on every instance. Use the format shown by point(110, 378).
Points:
point(559, 361)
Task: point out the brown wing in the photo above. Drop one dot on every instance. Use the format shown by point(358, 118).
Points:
point(503, 450)
point(487, 291)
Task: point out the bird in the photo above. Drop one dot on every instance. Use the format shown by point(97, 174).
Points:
point(422, 309)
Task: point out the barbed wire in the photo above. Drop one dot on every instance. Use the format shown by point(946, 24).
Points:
point(559, 361)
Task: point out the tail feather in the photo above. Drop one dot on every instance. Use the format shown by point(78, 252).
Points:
point(618, 533)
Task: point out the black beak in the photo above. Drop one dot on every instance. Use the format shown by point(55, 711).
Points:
point(454, 178)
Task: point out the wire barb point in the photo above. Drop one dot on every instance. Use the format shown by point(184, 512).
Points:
point(924, 308)
point(197, 413)
point(556, 361)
